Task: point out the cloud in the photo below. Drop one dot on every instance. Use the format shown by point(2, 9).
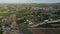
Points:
point(8, 1)
point(29, 1)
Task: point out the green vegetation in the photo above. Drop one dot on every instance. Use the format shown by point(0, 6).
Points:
point(25, 29)
point(26, 11)
point(1, 32)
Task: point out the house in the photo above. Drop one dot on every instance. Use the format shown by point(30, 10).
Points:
point(48, 20)
point(28, 22)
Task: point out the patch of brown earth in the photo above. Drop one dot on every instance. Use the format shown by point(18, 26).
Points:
point(41, 31)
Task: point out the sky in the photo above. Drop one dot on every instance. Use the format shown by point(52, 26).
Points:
point(29, 1)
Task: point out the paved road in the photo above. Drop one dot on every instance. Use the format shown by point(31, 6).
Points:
point(45, 23)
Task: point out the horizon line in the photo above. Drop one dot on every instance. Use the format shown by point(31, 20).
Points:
point(29, 3)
